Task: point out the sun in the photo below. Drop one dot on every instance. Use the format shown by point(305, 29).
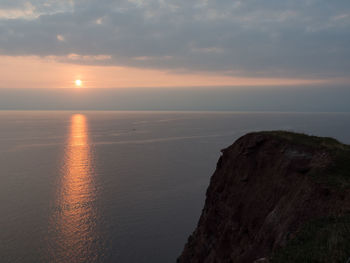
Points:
point(78, 83)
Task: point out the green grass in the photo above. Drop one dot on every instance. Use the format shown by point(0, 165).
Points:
point(336, 175)
point(309, 140)
point(323, 240)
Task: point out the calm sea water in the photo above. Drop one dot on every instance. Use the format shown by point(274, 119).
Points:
point(118, 186)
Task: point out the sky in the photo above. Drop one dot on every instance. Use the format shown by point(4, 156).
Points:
point(175, 45)
point(274, 98)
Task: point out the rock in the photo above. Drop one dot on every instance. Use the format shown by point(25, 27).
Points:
point(273, 195)
point(261, 260)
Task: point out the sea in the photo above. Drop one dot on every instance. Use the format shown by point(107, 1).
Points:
point(125, 187)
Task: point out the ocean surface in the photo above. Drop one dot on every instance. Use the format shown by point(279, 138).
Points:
point(118, 186)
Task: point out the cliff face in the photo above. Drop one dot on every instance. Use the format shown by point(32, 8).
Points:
point(276, 197)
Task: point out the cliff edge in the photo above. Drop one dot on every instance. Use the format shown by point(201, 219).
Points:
point(276, 197)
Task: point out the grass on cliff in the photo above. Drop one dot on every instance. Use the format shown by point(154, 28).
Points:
point(338, 173)
point(309, 140)
point(322, 240)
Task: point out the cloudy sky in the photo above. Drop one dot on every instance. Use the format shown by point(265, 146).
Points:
point(172, 43)
point(181, 44)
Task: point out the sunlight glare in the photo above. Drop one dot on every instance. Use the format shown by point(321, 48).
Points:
point(78, 82)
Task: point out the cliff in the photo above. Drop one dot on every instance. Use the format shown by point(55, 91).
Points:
point(276, 197)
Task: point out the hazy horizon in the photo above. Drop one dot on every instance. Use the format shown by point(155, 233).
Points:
point(295, 99)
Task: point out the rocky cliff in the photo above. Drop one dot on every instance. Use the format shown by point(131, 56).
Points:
point(276, 197)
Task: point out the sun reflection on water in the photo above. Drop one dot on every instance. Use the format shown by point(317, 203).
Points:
point(74, 221)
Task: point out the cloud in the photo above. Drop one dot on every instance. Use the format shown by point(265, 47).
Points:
point(19, 9)
point(27, 11)
point(79, 59)
point(60, 38)
point(272, 38)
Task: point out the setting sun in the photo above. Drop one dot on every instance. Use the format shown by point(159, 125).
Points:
point(78, 83)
